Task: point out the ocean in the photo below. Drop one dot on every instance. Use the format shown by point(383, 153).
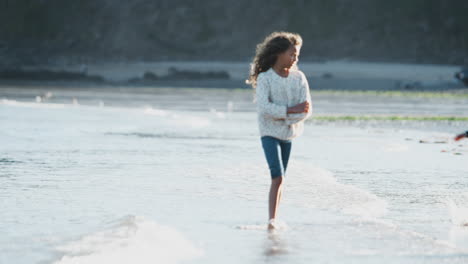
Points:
point(164, 175)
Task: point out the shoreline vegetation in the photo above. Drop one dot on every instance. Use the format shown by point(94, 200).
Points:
point(352, 117)
point(333, 118)
point(397, 93)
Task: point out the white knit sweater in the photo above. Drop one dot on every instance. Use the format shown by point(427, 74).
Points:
point(274, 94)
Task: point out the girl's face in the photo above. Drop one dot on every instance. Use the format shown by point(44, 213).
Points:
point(288, 58)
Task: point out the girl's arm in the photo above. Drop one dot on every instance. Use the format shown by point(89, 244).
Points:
point(305, 96)
point(297, 109)
point(264, 106)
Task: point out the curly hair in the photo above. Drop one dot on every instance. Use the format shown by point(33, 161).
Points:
point(267, 52)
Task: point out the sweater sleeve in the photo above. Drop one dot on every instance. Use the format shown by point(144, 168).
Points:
point(264, 106)
point(304, 96)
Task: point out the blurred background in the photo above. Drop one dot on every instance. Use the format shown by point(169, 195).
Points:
point(56, 31)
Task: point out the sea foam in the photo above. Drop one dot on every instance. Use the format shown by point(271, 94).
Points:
point(134, 239)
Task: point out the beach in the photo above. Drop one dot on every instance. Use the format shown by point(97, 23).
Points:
point(173, 174)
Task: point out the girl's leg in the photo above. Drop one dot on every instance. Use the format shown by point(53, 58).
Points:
point(274, 196)
point(272, 151)
point(285, 153)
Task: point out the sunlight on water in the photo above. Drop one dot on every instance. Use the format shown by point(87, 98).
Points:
point(155, 177)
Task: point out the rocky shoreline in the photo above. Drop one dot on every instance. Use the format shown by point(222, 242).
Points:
point(339, 76)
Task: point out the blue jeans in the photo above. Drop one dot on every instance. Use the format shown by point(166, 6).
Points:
point(277, 154)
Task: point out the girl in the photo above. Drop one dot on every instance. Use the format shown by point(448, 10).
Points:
point(283, 103)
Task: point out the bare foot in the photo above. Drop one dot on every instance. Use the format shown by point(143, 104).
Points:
point(271, 224)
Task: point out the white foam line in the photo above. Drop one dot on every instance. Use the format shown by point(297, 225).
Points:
point(410, 234)
point(30, 104)
point(319, 188)
point(134, 239)
point(186, 118)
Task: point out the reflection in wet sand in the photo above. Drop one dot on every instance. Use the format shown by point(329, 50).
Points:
point(275, 244)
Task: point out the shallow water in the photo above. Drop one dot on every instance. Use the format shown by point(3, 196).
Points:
point(142, 175)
